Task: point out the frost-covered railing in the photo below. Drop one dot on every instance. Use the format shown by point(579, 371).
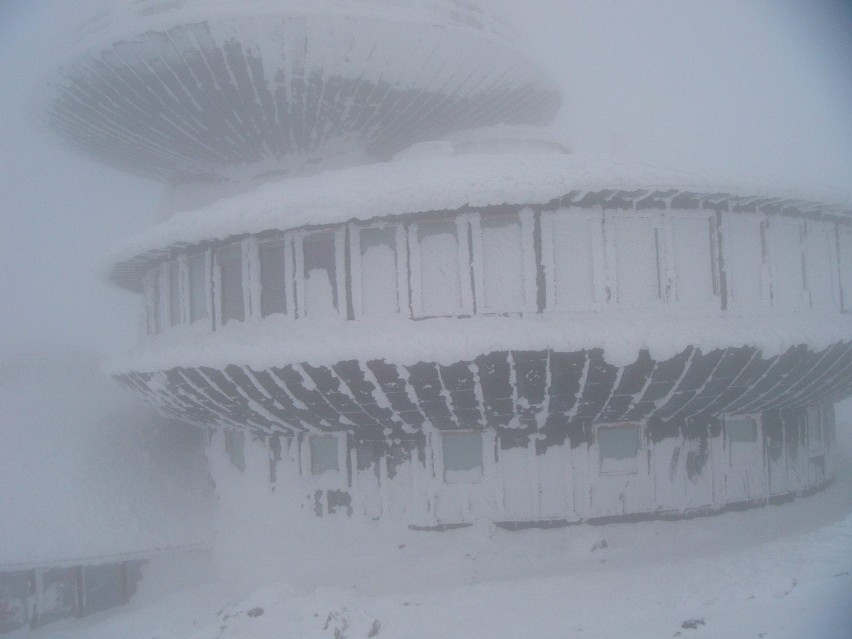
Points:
point(510, 261)
point(472, 14)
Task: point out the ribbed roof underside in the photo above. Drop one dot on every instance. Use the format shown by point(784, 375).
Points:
point(249, 96)
point(522, 391)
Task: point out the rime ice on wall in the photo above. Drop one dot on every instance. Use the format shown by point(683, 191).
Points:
point(457, 478)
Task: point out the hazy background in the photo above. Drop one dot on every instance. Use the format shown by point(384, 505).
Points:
point(760, 88)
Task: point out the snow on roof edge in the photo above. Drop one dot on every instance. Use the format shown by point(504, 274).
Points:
point(437, 182)
point(276, 342)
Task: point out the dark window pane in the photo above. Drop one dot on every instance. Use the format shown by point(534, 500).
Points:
point(323, 455)
point(15, 590)
point(741, 429)
point(618, 442)
point(198, 287)
point(59, 594)
point(103, 587)
point(271, 255)
point(230, 262)
point(462, 452)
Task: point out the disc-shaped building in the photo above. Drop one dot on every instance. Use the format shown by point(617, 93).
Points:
point(399, 297)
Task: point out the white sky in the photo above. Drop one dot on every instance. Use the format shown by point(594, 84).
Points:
point(755, 87)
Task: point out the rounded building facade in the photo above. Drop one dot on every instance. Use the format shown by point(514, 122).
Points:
point(452, 318)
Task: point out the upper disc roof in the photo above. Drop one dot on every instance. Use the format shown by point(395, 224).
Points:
point(207, 89)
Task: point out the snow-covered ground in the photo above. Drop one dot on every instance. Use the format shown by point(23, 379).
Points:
point(777, 571)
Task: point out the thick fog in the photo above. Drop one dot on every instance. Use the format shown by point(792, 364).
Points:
point(762, 89)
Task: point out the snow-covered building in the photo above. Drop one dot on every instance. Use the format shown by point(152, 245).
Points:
point(379, 283)
point(88, 492)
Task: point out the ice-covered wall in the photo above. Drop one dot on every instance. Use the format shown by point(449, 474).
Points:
point(656, 279)
point(699, 466)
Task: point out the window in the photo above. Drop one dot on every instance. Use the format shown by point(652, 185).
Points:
point(320, 275)
point(198, 287)
point(821, 266)
point(742, 440)
point(16, 589)
point(173, 275)
point(618, 448)
point(272, 259)
point(235, 448)
point(439, 283)
point(58, 597)
point(229, 260)
point(693, 239)
point(787, 261)
point(103, 587)
point(462, 455)
point(815, 439)
point(741, 429)
point(638, 244)
point(745, 260)
point(153, 301)
point(845, 259)
point(502, 278)
point(324, 454)
point(572, 242)
point(379, 288)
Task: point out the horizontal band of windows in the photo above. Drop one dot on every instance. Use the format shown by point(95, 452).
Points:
point(511, 263)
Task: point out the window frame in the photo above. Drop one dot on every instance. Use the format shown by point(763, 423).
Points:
point(815, 415)
point(330, 478)
point(355, 265)
point(618, 472)
point(615, 296)
point(732, 298)
point(671, 268)
point(445, 436)
point(256, 279)
point(844, 266)
point(549, 219)
point(217, 283)
point(738, 456)
point(151, 287)
point(175, 267)
point(526, 226)
point(206, 256)
point(791, 301)
point(298, 239)
point(464, 265)
point(813, 227)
